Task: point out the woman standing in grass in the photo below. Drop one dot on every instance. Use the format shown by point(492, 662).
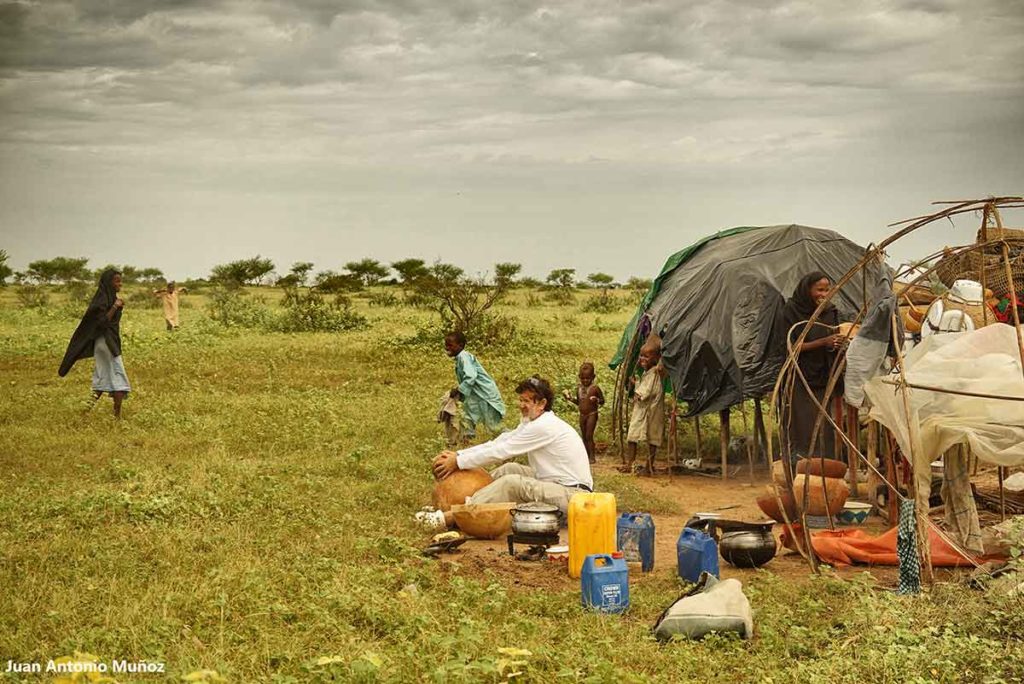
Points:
point(99, 336)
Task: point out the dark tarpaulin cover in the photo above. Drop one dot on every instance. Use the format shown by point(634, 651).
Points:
point(715, 306)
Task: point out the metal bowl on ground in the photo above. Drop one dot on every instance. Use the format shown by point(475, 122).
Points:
point(536, 518)
point(750, 548)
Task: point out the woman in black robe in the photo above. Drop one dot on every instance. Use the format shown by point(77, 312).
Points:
point(99, 335)
point(818, 353)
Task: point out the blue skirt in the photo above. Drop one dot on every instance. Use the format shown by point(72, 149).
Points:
point(108, 375)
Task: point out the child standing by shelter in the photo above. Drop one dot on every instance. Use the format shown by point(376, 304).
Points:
point(589, 398)
point(647, 422)
point(481, 400)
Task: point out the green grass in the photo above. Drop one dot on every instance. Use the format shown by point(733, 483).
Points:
point(251, 516)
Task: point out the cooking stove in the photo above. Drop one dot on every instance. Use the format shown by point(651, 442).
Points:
point(538, 544)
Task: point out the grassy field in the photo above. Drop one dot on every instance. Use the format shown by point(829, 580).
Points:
point(251, 516)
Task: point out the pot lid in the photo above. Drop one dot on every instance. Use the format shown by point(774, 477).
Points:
point(536, 507)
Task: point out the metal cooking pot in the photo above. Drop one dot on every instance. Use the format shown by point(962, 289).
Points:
point(750, 548)
point(536, 518)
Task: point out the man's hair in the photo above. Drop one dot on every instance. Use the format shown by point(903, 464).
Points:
point(539, 388)
point(588, 366)
point(457, 336)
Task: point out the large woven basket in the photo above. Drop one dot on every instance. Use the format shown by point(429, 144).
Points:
point(986, 265)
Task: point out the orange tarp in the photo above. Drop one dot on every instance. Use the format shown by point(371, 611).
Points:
point(850, 546)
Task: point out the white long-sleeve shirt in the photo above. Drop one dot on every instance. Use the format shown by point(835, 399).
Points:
point(554, 449)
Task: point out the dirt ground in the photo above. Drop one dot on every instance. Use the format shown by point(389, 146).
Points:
point(734, 499)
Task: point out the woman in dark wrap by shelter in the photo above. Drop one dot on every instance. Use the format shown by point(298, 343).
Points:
point(818, 352)
point(99, 336)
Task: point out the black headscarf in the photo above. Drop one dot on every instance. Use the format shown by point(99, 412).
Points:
point(815, 364)
point(94, 324)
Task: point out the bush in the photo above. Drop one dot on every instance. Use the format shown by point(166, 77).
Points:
point(233, 307)
point(310, 312)
point(31, 297)
point(382, 299)
point(418, 300)
point(563, 296)
point(142, 299)
point(602, 303)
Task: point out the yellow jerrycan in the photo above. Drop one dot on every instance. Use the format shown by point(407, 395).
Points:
point(591, 528)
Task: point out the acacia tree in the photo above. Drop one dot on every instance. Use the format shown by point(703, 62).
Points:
point(409, 270)
point(461, 301)
point(334, 282)
point(562, 277)
point(601, 280)
point(369, 271)
point(234, 274)
point(5, 270)
point(58, 269)
point(506, 273)
point(301, 271)
point(639, 284)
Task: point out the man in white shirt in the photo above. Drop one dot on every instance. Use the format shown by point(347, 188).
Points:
point(559, 467)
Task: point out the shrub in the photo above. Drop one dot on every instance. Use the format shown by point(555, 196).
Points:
point(310, 312)
point(230, 307)
point(382, 299)
point(142, 299)
point(562, 296)
point(31, 297)
point(602, 303)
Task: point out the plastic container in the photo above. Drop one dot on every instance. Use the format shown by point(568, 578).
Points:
point(604, 583)
point(696, 552)
point(635, 539)
point(591, 528)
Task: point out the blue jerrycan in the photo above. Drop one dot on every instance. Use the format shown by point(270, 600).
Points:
point(635, 537)
point(604, 583)
point(696, 552)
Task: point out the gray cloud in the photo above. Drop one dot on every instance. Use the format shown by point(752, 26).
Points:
point(320, 97)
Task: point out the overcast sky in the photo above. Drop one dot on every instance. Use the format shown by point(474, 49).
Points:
point(587, 134)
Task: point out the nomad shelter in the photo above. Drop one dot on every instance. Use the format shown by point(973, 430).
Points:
point(715, 305)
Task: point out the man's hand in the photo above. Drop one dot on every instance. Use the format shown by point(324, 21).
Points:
point(446, 463)
point(118, 303)
point(456, 394)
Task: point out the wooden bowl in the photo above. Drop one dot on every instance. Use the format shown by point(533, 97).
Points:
point(828, 467)
point(456, 487)
point(827, 502)
point(770, 507)
point(484, 521)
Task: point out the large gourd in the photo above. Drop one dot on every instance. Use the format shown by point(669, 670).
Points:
point(456, 487)
point(591, 528)
point(827, 500)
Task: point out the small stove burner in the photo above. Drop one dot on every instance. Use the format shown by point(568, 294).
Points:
point(538, 545)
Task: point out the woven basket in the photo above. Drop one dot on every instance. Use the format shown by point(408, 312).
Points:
point(969, 266)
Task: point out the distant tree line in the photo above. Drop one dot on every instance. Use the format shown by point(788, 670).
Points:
point(411, 274)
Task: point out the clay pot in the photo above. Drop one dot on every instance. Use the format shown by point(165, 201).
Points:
point(456, 487)
point(770, 507)
point(828, 502)
point(778, 474)
point(828, 467)
point(484, 521)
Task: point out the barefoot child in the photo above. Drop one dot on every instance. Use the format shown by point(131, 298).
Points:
point(590, 399)
point(481, 400)
point(647, 422)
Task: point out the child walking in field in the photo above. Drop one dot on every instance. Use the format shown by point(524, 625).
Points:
point(647, 422)
point(589, 398)
point(481, 400)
